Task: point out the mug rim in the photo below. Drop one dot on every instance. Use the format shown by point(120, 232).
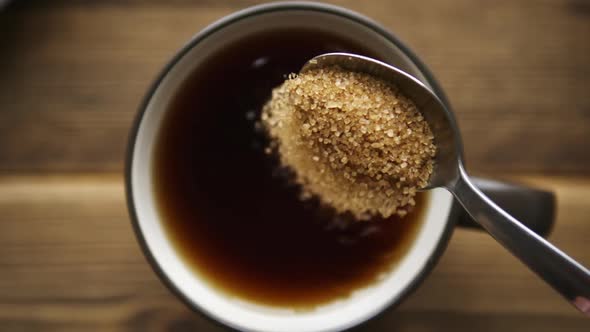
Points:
point(205, 33)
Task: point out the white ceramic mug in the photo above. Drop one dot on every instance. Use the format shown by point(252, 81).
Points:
point(439, 218)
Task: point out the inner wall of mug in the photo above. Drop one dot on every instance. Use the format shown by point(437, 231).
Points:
point(364, 303)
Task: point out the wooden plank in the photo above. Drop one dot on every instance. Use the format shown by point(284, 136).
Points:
point(69, 261)
point(73, 74)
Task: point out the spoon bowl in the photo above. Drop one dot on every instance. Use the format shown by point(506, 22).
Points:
point(442, 124)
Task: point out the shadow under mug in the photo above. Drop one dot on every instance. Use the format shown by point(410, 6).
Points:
point(535, 208)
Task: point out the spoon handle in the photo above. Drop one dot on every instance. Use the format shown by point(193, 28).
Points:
point(564, 274)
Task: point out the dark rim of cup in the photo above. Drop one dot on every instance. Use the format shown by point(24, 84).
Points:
point(212, 28)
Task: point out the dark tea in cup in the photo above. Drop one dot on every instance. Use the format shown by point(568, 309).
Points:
point(229, 209)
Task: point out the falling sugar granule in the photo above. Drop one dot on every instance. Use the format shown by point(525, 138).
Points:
point(352, 140)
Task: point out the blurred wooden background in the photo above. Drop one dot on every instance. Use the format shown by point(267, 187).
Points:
point(72, 74)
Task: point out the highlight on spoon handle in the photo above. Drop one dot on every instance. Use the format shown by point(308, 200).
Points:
point(563, 273)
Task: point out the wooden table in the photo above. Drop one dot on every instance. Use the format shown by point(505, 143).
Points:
point(73, 72)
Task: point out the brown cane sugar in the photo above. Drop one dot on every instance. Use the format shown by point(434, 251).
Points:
point(352, 140)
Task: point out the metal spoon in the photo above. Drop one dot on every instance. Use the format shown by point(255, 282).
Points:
point(564, 274)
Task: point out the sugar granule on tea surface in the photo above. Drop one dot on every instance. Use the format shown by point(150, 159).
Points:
point(352, 140)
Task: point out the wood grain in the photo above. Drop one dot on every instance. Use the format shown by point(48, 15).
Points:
point(69, 261)
point(517, 72)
